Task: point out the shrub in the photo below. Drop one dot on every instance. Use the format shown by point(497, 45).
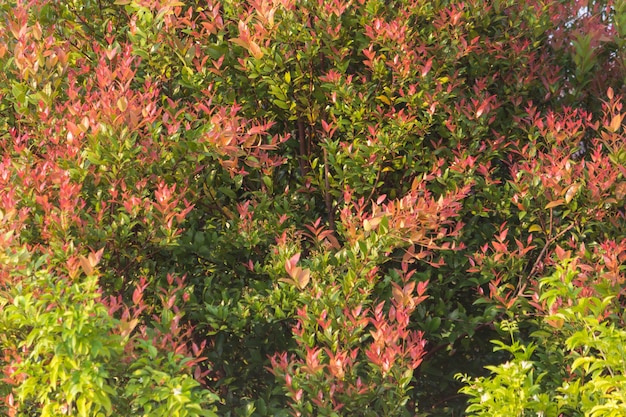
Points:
point(571, 363)
point(270, 189)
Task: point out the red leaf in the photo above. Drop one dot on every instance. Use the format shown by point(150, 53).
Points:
point(561, 253)
point(421, 287)
point(427, 67)
point(291, 263)
point(137, 295)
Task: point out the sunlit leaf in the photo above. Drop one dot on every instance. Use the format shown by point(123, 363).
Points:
point(554, 203)
point(384, 99)
point(571, 192)
point(122, 103)
point(616, 123)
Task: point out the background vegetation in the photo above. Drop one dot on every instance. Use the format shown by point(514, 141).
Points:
point(329, 208)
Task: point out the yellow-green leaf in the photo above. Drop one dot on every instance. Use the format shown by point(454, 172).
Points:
point(384, 99)
point(371, 224)
point(122, 103)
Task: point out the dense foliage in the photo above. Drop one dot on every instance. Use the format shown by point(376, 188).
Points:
point(329, 208)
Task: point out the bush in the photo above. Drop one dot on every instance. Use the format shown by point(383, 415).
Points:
point(279, 207)
point(571, 363)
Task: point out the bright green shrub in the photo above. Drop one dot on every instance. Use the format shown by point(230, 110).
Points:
point(65, 354)
point(572, 361)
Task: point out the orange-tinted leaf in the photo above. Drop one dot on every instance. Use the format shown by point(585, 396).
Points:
point(561, 253)
point(397, 293)
point(620, 190)
point(616, 123)
point(241, 42)
point(137, 295)
point(571, 192)
point(255, 50)
point(288, 281)
point(427, 66)
point(421, 287)
point(482, 109)
point(85, 265)
point(94, 257)
point(554, 203)
point(126, 327)
point(555, 322)
point(299, 277)
point(291, 263)
point(302, 278)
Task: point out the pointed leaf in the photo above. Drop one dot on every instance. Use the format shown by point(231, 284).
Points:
point(302, 278)
point(616, 123)
point(85, 265)
point(571, 192)
point(384, 99)
point(554, 203)
point(290, 265)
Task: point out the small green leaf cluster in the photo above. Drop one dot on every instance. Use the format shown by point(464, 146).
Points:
point(74, 359)
point(571, 362)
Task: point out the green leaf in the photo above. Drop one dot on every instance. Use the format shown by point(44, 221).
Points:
point(281, 104)
point(584, 362)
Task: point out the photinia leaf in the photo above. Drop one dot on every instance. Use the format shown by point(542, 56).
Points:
point(299, 277)
point(94, 257)
point(561, 253)
point(302, 277)
point(281, 104)
point(384, 99)
point(616, 123)
point(554, 203)
point(427, 67)
point(126, 327)
point(571, 192)
point(371, 224)
point(85, 265)
point(291, 263)
point(397, 293)
point(122, 103)
point(620, 190)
